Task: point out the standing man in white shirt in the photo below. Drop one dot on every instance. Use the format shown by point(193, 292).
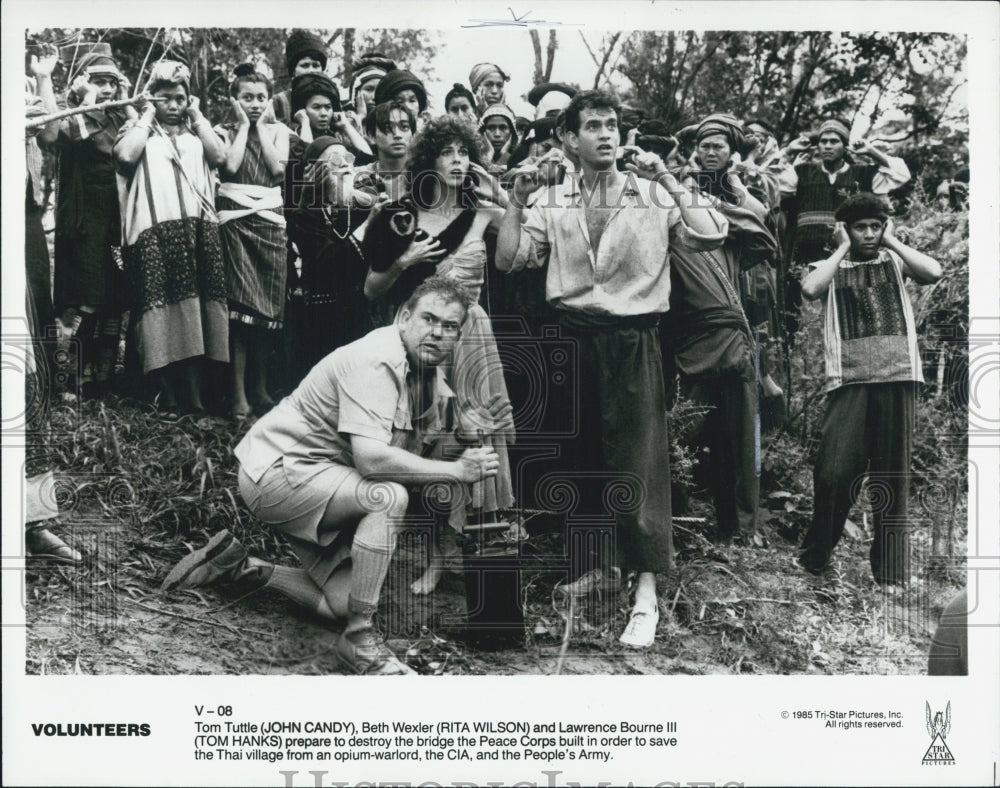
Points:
point(605, 236)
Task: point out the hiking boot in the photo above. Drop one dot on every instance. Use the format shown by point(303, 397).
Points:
point(224, 560)
point(594, 580)
point(365, 653)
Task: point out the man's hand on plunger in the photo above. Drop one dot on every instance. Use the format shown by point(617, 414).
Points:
point(477, 464)
point(479, 420)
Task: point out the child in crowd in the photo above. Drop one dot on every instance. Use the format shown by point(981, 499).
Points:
point(305, 53)
point(253, 233)
point(872, 368)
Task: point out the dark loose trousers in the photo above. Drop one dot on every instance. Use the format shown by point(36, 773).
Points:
point(867, 428)
point(619, 457)
point(37, 273)
point(732, 436)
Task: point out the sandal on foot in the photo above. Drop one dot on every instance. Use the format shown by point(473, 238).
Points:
point(595, 580)
point(43, 544)
point(366, 654)
point(641, 629)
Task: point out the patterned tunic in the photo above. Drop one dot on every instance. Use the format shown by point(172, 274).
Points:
point(253, 244)
point(172, 253)
point(869, 333)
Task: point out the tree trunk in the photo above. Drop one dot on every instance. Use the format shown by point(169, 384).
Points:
point(668, 83)
point(348, 56)
point(788, 120)
point(696, 68)
point(537, 44)
point(550, 55)
point(604, 61)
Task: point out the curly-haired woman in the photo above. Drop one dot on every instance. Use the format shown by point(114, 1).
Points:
point(453, 206)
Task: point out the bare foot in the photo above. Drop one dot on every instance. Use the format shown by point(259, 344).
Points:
point(427, 582)
point(771, 389)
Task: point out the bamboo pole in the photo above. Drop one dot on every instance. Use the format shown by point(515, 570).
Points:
point(65, 113)
point(145, 60)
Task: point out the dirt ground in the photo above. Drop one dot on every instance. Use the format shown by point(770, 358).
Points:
point(746, 610)
point(136, 494)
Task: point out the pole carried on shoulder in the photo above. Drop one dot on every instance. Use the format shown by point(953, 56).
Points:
point(42, 120)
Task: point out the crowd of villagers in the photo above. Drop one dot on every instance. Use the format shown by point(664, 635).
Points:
point(243, 255)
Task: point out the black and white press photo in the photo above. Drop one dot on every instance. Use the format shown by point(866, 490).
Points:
point(505, 344)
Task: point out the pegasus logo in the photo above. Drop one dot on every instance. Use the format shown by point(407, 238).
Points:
point(938, 728)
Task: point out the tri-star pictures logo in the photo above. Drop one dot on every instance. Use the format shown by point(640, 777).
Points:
point(938, 727)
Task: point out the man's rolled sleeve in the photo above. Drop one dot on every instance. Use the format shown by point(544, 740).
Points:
point(788, 180)
point(368, 399)
point(527, 255)
point(683, 235)
point(533, 246)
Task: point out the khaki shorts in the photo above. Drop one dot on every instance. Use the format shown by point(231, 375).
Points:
point(297, 512)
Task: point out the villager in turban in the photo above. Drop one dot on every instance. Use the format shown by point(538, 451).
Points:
point(397, 82)
point(306, 86)
point(368, 72)
point(487, 81)
point(837, 127)
point(729, 126)
point(300, 44)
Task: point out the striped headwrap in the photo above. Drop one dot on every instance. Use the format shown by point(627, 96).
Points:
point(482, 70)
point(723, 123)
point(837, 127)
point(169, 71)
